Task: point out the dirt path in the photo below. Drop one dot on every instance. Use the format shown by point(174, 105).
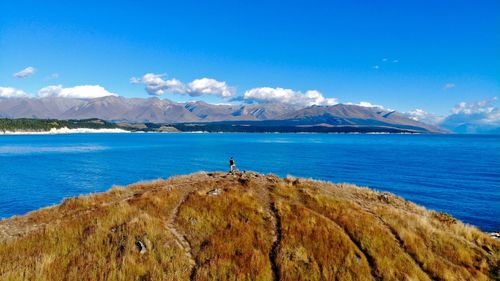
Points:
point(277, 236)
point(180, 239)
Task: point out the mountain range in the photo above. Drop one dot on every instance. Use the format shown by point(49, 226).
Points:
point(155, 110)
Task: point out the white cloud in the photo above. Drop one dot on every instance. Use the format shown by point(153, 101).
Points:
point(287, 96)
point(386, 60)
point(449, 86)
point(25, 72)
point(366, 104)
point(483, 106)
point(81, 92)
point(9, 92)
point(52, 76)
point(156, 85)
point(424, 116)
point(473, 117)
point(483, 112)
point(135, 80)
point(207, 86)
point(376, 67)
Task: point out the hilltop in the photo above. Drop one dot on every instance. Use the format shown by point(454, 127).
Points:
point(247, 226)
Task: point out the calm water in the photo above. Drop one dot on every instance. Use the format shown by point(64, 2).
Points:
point(456, 174)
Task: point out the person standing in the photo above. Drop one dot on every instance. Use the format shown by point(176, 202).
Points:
point(232, 165)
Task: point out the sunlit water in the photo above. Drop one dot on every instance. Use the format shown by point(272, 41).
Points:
point(451, 173)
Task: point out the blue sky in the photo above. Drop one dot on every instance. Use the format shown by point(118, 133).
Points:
point(403, 55)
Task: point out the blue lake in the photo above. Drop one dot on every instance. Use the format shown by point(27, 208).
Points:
point(458, 174)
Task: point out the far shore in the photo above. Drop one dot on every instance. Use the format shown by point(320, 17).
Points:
point(65, 130)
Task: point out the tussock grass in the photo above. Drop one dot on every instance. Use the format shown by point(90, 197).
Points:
point(446, 256)
point(229, 233)
point(94, 238)
point(432, 243)
point(315, 248)
point(388, 260)
point(247, 226)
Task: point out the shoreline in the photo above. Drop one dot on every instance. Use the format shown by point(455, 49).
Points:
point(66, 130)
point(493, 233)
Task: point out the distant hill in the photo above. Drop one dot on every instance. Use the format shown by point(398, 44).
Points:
point(246, 226)
point(356, 116)
point(460, 123)
point(340, 118)
point(244, 117)
point(137, 110)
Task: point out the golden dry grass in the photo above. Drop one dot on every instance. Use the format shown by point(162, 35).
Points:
point(315, 248)
point(243, 227)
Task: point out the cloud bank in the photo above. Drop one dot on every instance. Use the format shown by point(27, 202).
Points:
point(287, 96)
point(81, 92)
point(367, 104)
point(466, 117)
point(480, 112)
point(156, 85)
point(474, 117)
point(9, 92)
point(25, 72)
point(424, 116)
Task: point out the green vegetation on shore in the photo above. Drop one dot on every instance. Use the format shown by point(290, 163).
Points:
point(40, 125)
point(246, 226)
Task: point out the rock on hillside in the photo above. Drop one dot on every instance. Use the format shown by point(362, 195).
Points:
point(247, 226)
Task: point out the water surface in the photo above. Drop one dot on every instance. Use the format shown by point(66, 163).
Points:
point(459, 174)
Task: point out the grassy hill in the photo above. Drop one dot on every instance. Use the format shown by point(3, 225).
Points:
point(248, 226)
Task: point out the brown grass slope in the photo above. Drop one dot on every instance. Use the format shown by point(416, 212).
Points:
point(247, 226)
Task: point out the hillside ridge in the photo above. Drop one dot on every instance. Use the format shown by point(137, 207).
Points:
point(243, 226)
